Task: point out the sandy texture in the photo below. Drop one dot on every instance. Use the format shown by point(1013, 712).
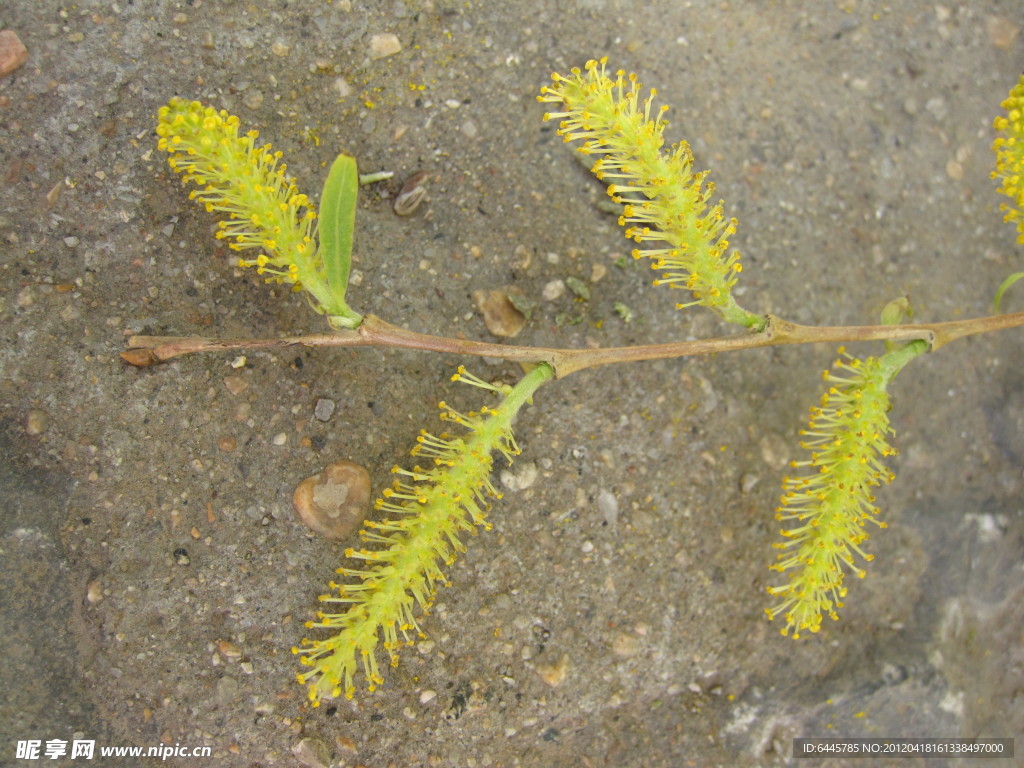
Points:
point(154, 574)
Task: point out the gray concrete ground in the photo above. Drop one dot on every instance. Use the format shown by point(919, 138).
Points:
point(154, 576)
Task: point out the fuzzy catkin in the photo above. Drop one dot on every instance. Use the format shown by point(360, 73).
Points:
point(665, 201)
point(427, 512)
point(249, 185)
point(1009, 149)
point(830, 505)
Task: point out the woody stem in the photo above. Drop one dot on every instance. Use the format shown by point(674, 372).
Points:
point(374, 332)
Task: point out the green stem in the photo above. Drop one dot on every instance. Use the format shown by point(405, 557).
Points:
point(893, 362)
point(737, 315)
point(524, 389)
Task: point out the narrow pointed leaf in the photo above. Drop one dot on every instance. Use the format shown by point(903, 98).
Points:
point(338, 220)
point(1003, 288)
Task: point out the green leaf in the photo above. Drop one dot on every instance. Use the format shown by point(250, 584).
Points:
point(896, 311)
point(338, 222)
point(1002, 289)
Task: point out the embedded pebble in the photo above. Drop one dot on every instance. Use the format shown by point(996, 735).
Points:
point(227, 690)
point(94, 591)
point(13, 52)
point(774, 450)
point(500, 316)
point(324, 409)
point(1001, 31)
point(253, 99)
point(937, 107)
point(228, 649)
point(36, 422)
point(608, 506)
point(625, 646)
point(523, 478)
point(555, 674)
point(384, 45)
point(553, 290)
point(280, 438)
point(748, 481)
point(236, 385)
point(710, 397)
point(26, 297)
point(312, 753)
point(334, 503)
point(342, 87)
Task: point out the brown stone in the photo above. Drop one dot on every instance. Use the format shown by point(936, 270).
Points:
point(334, 503)
point(13, 52)
point(500, 315)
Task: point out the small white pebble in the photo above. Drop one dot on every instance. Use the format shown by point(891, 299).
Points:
point(553, 290)
point(427, 696)
point(384, 45)
point(94, 591)
point(280, 438)
point(524, 478)
point(342, 88)
point(36, 422)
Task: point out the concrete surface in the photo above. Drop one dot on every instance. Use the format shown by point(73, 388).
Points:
point(154, 576)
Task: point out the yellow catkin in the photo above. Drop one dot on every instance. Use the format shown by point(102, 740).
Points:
point(829, 505)
point(1009, 149)
point(250, 187)
point(665, 203)
point(427, 513)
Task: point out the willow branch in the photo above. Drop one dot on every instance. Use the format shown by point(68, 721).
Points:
point(374, 332)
